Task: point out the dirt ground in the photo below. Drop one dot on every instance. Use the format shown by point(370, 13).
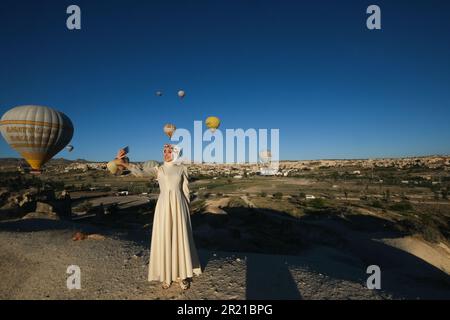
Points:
point(35, 254)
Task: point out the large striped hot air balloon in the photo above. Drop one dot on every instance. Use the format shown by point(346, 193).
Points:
point(36, 132)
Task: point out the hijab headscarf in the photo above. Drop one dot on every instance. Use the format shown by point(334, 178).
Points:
point(176, 152)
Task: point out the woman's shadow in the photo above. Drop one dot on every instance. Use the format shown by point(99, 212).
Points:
point(273, 243)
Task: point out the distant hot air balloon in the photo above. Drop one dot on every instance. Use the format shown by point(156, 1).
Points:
point(265, 155)
point(169, 129)
point(212, 123)
point(159, 93)
point(112, 167)
point(181, 94)
point(36, 132)
point(69, 148)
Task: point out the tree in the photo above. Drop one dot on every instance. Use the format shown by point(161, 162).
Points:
point(436, 195)
point(387, 195)
point(444, 193)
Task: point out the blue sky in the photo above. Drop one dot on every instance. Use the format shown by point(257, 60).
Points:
point(310, 68)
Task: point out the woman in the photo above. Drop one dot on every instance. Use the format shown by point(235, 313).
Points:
point(173, 255)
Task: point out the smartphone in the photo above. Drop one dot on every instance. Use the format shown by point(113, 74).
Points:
point(126, 149)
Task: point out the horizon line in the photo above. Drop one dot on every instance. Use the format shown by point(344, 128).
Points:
point(286, 160)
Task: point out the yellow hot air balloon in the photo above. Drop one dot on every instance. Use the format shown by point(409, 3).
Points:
point(36, 132)
point(212, 123)
point(169, 129)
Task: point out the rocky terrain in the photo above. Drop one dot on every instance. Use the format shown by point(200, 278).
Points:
point(310, 234)
point(35, 255)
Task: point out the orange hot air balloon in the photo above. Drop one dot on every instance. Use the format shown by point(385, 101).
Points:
point(169, 129)
point(36, 132)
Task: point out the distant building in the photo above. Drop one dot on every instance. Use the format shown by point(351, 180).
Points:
point(268, 171)
point(309, 197)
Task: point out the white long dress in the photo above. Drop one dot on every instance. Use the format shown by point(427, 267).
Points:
point(172, 254)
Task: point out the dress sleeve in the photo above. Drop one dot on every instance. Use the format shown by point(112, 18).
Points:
point(139, 171)
point(186, 184)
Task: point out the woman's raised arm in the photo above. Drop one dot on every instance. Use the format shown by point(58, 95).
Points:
point(139, 171)
point(136, 170)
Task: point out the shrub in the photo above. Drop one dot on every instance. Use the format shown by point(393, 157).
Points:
point(401, 206)
point(376, 204)
point(263, 194)
point(431, 233)
point(278, 195)
point(317, 203)
point(85, 207)
point(236, 202)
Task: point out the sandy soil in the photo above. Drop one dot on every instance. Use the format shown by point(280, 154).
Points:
point(35, 254)
point(215, 205)
point(122, 201)
point(436, 255)
point(34, 260)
